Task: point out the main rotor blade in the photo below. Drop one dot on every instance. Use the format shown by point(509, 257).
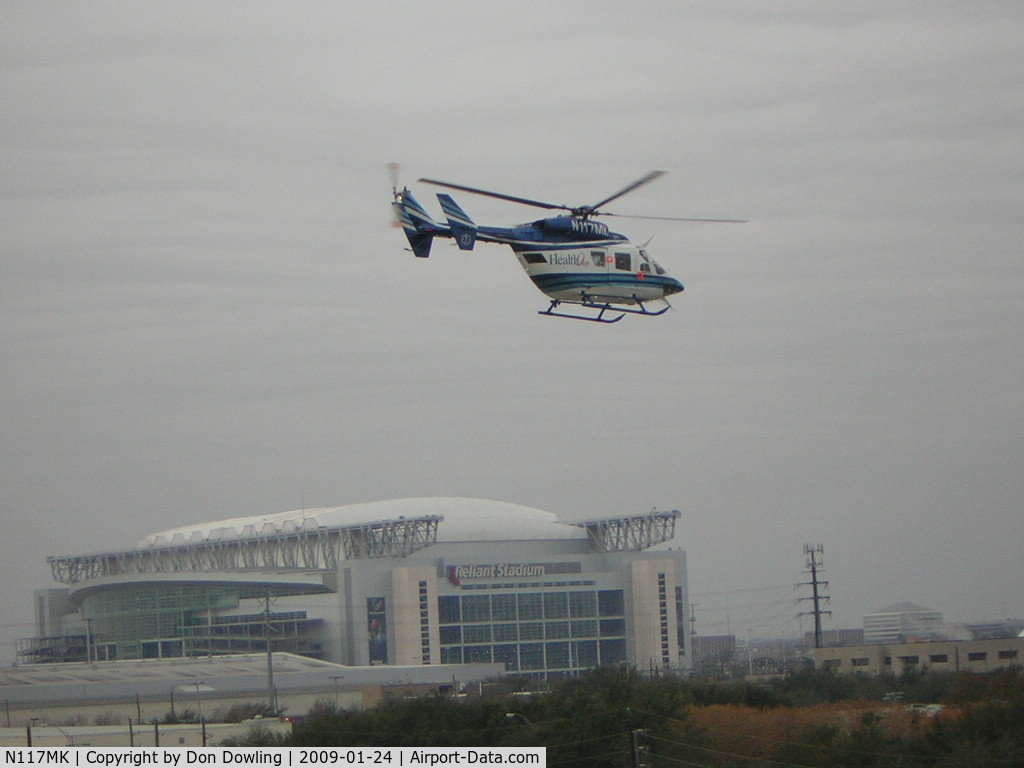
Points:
point(674, 218)
point(638, 183)
point(499, 195)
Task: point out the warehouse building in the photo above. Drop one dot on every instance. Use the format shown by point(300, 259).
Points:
point(422, 581)
point(936, 656)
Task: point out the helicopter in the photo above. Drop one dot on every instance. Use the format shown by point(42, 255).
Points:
point(573, 259)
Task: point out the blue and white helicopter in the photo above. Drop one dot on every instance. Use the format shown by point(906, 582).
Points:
point(573, 259)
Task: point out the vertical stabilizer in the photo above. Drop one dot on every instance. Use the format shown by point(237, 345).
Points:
point(419, 227)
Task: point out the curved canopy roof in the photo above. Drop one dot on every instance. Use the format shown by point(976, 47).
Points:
point(464, 520)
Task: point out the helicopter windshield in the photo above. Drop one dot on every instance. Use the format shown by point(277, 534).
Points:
point(648, 262)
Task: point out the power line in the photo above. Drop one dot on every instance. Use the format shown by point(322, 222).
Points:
point(741, 591)
point(765, 760)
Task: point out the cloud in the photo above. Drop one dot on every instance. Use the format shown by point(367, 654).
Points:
point(205, 312)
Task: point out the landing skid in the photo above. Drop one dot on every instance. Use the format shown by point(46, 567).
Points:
point(601, 307)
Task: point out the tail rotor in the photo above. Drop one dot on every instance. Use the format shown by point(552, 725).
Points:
point(393, 169)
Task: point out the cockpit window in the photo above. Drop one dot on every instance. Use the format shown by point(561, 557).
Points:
point(657, 267)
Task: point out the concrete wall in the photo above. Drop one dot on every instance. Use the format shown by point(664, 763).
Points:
point(405, 624)
point(651, 613)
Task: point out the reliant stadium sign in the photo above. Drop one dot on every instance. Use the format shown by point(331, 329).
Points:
point(456, 573)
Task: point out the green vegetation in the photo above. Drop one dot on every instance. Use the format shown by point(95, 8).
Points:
point(809, 718)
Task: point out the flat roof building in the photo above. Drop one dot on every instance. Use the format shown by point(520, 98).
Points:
point(409, 582)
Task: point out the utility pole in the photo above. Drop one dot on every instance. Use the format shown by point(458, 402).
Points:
point(813, 553)
point(270, 657)
point(637, 749)
point(692, 649)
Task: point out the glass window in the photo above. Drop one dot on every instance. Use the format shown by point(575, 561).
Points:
point(585, 654)
point(613, 627)
point(610, 602)
point(477, 653)
point(597, 257)
point(582, 605)
point(557, 655)
point(448, 609)
point(612, 652)
point(505, 633)
point(584, 628)
point(556, 630)
point(981, 656)
point(623, 261)
point(451, 635)
point(556, 605)
point(476, 608)
point(531, 630)
point(531, 656)
point(451, 655)
point(530, 606)
point(476, 633)
point(508, 655)
point(938, 658)
point(503, 607)
point(172, 648)
point(534, 258)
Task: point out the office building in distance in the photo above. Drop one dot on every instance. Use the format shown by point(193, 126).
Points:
point(901, 622)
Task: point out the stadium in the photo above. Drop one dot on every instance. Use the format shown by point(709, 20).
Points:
point(408, 582)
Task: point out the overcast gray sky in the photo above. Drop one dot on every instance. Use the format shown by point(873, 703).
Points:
point(204, 312)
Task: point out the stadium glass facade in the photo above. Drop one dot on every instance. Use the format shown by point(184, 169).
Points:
point(556, 632)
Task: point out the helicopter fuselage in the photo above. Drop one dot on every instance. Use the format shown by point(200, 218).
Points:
point(569, 258)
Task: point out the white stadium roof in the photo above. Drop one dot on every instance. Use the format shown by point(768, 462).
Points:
point(464, 520)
